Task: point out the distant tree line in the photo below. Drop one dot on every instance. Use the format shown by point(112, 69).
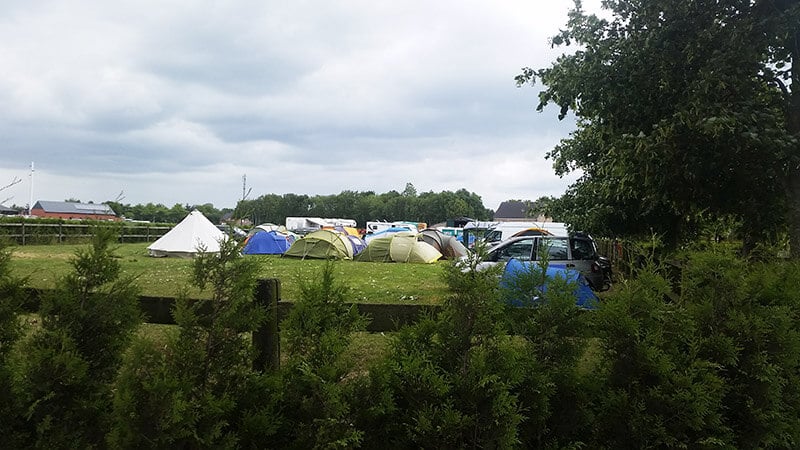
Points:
point(162, 214)
point(428, 207)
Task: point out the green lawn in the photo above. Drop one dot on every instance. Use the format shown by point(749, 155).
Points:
point(370, 282)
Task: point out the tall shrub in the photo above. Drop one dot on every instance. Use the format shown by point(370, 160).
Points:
point(657, 389)
point(11, 294)
point(70, 363)
point(749, 324)
point(187, 392)
point(557, 396)
point(317, 332)
point(449, 381)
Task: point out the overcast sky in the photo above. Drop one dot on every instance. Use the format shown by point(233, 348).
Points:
point(174, 101)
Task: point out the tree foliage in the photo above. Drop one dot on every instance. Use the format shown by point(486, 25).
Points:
point(428, 207)
point(747, 322)
point(684, 112)
point(162, 214)
point(451, 381)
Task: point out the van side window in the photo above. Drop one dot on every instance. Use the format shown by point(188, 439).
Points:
point(582, 249)
point(556, 248)
point(520, 250)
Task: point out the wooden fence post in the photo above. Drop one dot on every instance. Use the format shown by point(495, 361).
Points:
point(267, 340)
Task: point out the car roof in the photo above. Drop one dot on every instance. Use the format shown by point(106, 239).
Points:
point(520, 238)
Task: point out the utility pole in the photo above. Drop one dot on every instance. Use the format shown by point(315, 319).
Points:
point(30, 201)
point(245, 191)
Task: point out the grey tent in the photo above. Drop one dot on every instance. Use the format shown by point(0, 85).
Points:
point(448, 246)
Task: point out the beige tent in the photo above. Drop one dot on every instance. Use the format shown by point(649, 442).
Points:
point(399, 247)
point(186, 238)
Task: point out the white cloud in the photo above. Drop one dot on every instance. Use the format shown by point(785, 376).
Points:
point(172, 102)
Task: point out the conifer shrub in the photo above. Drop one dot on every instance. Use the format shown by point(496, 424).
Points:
point(11, 298)
point(69, 364)
point(657, 389)
point(450, 381)
point(556, 336)
point(748, 319)
point(317, 390)
point(189, 392)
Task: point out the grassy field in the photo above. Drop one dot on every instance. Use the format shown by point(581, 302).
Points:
point(369, 282)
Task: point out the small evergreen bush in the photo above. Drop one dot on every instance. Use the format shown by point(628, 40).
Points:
point(316, 393)
point(69, 364)
point(188, 393)
point(11, 297)
point(748, 320)
point(450, 381)
point(657, 388)
point(557, 394)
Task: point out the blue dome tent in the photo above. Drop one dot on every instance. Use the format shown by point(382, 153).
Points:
point(267, 243)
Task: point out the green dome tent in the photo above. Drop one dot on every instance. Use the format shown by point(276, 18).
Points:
point(399, 247)
point(322, 244)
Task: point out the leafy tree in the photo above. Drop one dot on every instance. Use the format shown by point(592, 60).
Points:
point(684, 109)
point(71, 361)
point(428, 207)
point(212, 214)
point(543, 206)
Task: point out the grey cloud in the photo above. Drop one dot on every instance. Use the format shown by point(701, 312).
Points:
point(176, 100)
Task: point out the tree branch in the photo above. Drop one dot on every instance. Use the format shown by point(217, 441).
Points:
point(13, 182)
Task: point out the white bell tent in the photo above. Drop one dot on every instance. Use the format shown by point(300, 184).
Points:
point(186, 238)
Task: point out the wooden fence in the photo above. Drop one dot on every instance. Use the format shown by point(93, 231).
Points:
point(24, 233)
point(266, 340)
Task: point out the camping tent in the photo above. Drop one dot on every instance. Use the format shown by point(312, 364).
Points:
point(268, 226)
point(323, 244)
point(186, 238)
point(267, 243)
point(399, 247)
point(358, 244)
point(387, 232)
point(584, 296)
point(448, 246)
point(350, 231)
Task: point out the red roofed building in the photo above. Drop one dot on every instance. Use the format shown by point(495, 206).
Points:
point(72, 210)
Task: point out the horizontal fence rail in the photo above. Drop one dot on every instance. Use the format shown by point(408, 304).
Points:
point(266, 340)
point(26, 233)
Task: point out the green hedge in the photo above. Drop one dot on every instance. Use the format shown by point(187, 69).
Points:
point(713, 362)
